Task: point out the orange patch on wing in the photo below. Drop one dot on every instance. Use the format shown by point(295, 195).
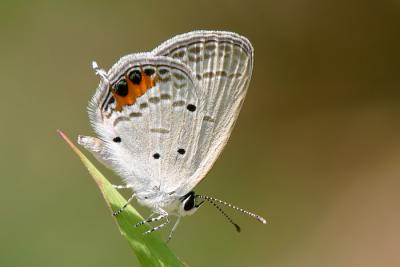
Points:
point(146, 83)
point(134, 91)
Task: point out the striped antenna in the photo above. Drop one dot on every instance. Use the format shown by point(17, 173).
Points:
point(212, 200)
point(226, 215)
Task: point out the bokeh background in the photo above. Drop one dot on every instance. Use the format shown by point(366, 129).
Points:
point(316, 149)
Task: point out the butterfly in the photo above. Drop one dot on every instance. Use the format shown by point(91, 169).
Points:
point(163, 117)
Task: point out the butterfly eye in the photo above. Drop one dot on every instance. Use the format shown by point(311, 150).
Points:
point(135, 76)
point(117, 139)
point(181, 151)
point(156, 156)
point(189, 202)
point(121, 88)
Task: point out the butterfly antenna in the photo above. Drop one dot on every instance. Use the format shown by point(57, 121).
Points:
point(213, 200)
point(226, 215)
point(100, 72)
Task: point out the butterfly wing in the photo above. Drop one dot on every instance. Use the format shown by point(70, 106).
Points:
point(148, 115)
point(222, 64)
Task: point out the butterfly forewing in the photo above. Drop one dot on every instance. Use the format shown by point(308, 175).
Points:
point(222, 63)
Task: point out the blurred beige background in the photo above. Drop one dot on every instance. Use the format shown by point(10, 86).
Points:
point(316, 149)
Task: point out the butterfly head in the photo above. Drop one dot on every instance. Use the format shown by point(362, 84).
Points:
point(188, 204)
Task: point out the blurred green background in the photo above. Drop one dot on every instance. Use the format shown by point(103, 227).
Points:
point(316, 149)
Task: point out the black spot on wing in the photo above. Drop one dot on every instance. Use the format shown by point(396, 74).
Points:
point(191, 107)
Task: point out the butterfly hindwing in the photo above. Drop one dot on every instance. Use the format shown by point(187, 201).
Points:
point(152, 129)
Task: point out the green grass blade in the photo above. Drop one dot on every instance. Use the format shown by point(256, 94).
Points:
point(149, 249)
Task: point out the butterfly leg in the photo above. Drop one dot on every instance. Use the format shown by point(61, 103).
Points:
point(115, 213)
point(150, 219)
point(162, 214)
point(173, 229)
point(160, 226)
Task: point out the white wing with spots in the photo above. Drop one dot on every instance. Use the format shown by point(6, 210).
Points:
point(222, 64)
point(156, 132)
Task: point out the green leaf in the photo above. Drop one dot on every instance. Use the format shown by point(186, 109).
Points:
point(149, 249)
